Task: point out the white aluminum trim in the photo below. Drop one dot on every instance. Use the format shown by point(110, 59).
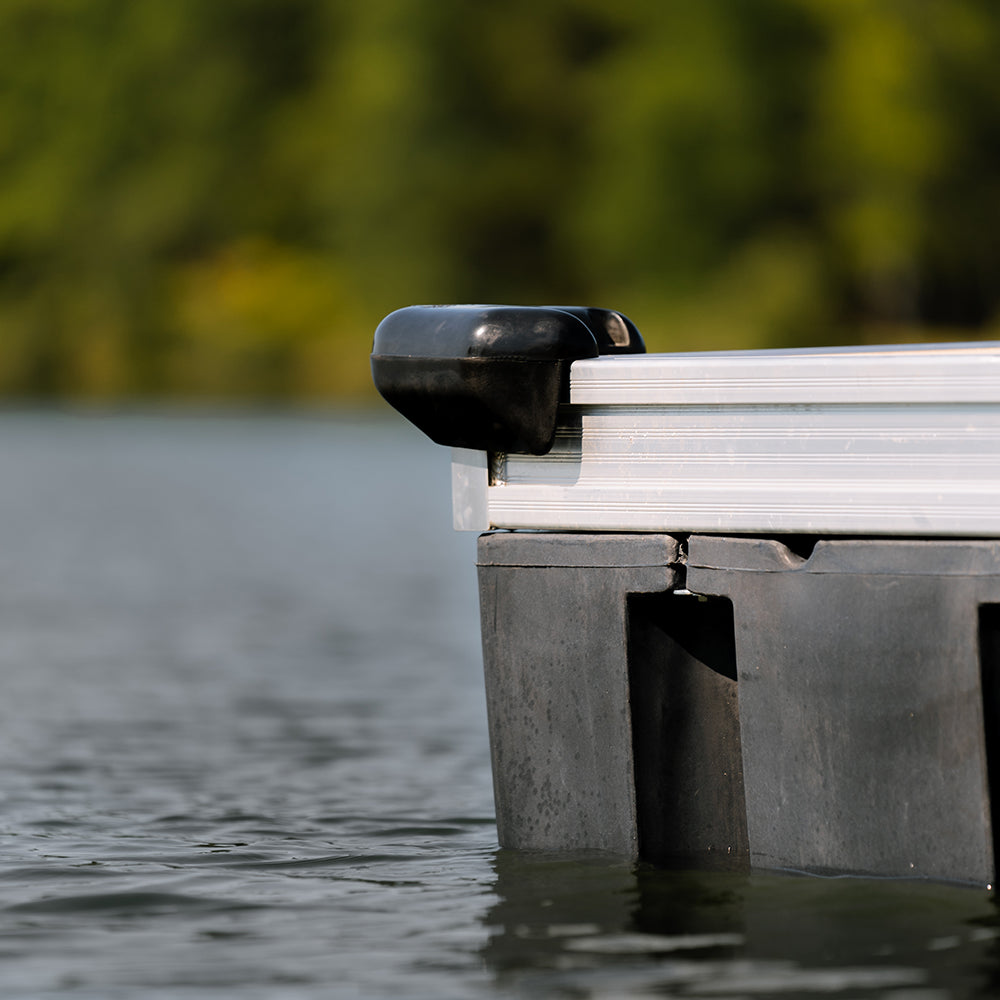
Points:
point(469, 482)
point(933, 373)
point(895, 441)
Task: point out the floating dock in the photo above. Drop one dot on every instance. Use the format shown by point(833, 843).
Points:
point(738, 608)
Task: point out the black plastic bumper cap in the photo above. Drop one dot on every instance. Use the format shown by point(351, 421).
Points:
point(490, 377)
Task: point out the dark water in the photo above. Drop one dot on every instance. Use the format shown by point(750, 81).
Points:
point(244, 754)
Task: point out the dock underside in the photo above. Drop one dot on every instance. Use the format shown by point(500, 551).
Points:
point(727, 700)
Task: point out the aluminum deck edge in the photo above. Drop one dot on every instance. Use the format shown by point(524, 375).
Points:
point(881, 441)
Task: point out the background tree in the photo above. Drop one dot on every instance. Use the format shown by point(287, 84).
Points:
point(222, 200)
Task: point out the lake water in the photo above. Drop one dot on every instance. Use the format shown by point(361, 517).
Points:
point(244, 753)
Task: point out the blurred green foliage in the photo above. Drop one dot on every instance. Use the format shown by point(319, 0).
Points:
point(222, 197)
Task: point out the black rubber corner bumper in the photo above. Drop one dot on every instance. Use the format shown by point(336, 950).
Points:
point(490, 377)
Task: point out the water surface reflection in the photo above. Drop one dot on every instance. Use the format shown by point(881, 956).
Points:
point(590, 925)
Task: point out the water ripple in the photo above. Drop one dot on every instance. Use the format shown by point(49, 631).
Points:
point(126, 903)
